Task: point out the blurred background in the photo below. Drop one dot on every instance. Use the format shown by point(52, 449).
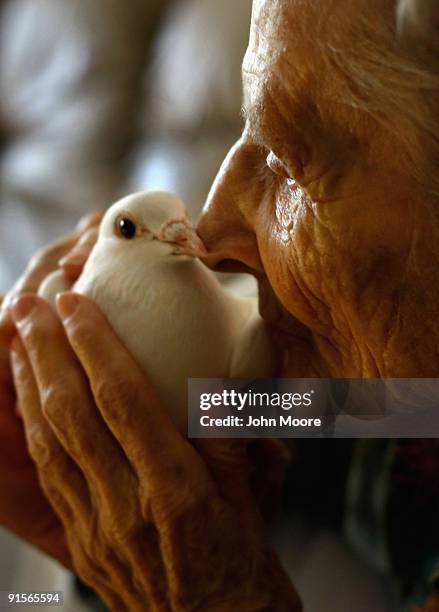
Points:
point(102, 98)
point(99, 99)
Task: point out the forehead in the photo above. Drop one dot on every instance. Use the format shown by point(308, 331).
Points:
point(278, 67)
point(264, 49)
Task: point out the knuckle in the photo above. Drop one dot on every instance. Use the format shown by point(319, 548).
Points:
point(58, 501)
point(41, 447)
point(38, 330)
point(98, 551)
point(83, 331)
point(118, 512)
point(121, 532)
point(84, 567)
point(92, 545)
point(57, 400)
point(34, 333)
point(171, 501)
point(116, 394)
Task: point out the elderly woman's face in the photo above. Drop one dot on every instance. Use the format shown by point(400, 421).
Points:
point(313, 197)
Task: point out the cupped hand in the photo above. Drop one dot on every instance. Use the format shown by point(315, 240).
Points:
point(151, 522)
point(24, 508)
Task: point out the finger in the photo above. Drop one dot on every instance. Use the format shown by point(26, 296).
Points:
point(76, 424)
point(41, 264)
point(60, 478)
point(130, 405)
point(73, 262)
point(65, 395)
point(65, 486)
point(89, 220)
point(19, 479)
point(68, 406)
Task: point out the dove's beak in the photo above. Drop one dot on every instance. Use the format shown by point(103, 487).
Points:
point(182, 233)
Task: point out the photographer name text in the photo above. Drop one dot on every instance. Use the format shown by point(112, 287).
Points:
point(240, 402)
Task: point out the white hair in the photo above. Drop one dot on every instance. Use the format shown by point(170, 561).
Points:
point(391, 71)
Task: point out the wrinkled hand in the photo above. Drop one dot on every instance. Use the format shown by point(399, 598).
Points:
point(151, 522)
point(23, 507)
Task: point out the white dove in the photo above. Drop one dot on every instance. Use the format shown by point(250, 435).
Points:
point(167, 307)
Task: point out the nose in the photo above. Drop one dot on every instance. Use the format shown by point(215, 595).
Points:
point(226, 224)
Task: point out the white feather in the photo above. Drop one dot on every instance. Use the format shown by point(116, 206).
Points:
point(170, 310)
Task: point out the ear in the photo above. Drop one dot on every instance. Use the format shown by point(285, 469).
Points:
point(418, 29)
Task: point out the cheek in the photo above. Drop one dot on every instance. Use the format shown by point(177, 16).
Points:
point(283, 234)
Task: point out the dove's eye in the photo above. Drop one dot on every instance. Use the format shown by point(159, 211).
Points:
point(126, 228)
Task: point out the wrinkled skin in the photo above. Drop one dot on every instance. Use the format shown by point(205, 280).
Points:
point(122, 507)
point(334, 226)
point(18, 474)
point(317, 201)
point(151, 522)
point(19, 483)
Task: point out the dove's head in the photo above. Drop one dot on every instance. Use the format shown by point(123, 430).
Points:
point(156, 220)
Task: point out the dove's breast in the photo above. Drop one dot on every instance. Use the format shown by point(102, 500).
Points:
point(176, 320)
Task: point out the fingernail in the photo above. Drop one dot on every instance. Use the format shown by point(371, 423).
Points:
point(23, 306)
point(67, 304)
